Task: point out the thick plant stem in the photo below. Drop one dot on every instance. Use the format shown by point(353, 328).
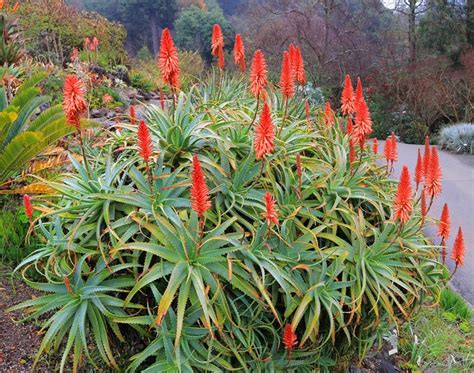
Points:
point(284, 117)
point(150, 178)
point(255, 114)
point(201, 233)
point(83, 151)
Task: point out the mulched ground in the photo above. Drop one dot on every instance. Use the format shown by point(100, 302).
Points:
point(18, 342)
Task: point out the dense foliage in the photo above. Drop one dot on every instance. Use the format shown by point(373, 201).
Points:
point(125, 257)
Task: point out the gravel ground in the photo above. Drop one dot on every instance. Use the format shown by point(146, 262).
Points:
point(18, 341)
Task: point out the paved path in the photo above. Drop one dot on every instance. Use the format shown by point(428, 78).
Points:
point(458, 193)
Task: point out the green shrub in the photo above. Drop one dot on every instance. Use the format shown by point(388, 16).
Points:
point(454, 303)
point(126, 255)
point(10, 47)
point(458, 138)
point(139, 81)
point(412, 132)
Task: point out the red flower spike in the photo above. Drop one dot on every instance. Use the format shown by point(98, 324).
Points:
point(28, 207)
point(457, 254)
point(328, 115)
point(168, 61)
point(426, 157)
point(403, 199)
point(145, 146)
point(424, 209)
point(433, 178)
point(419, 171)
point(393, 148)
point(363, 122)
point(375, 146)
point(290, 339)
point(133, 116)
point(347, 97)
point(264, 134)
point(299, 168)
point(444, 225)
point(358, 93)
point(271, 212)
point(293, 59)
point(300, 74)
point(286, 78)
point(258, 75)
point(352, 153)
point(200, 201)
point(74, 102)
point(350, 126)
point(239, 52)
point(217, 47)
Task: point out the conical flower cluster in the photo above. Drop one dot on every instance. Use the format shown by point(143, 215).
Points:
point(434, 175)
point(403, 199)
point(239, 53)
point(74, 102)
point(217, 46)
point(264, 134)
point(200, 201)
point(457, 254)
point(271, 212)
point(258, 75)
point(290, 339)
point(419, 170)
point(145, 146)
point(444, 225)
point(286, 79)
point(168, 61)
point(347, 97)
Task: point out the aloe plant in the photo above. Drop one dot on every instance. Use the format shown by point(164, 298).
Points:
point(336, 267)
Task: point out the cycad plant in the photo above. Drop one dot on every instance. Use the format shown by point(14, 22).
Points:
point(26, 130)
point(221, 259)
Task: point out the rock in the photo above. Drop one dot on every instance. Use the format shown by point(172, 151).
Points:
point(99, 113)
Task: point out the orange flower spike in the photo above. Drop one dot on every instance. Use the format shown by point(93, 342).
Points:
point(434, 177)
point(393, 148)
point(347, 97)
point(444, 225)
point(133, 115)
point(145, 145)
point(286, 78)
point(239, 53)
point(28, 207)
point(350, 126)
point(424, 209)
point(293, 59)
point(74, 102)
point(419, 171)
point(387, 150)
point(363, 119)
point(375, 146)
point(352, 153)
point(271, 212)
point(300, 73)
point(290, 339)
point(358, 93)
point(168, 61)
point(258, 75)
point(217, 47)
point(457, 254)
point(426, 157)
point(200, 201)
point(403, 199)
point(15, 7)
point(328, 115)
point(299, 168)
point(2, 4)
point(264, 134)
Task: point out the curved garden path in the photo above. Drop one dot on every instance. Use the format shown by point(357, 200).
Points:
point(458, 193)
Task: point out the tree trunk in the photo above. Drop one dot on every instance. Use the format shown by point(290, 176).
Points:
point(412, 31)
point(154, 33)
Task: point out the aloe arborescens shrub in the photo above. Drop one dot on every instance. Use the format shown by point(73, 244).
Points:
point(125, 254)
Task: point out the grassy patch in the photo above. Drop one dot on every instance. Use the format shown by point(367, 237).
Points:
point(440, 338)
